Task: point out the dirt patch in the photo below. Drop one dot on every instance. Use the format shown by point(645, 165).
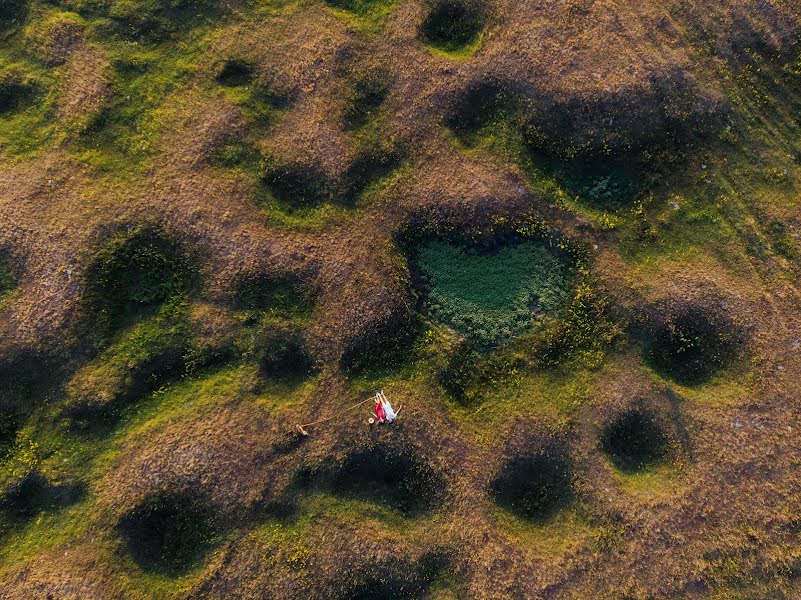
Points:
point(168, 532)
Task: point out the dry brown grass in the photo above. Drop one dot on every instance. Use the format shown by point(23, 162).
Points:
point(618, 70)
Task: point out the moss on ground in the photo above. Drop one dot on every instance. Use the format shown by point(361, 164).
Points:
point(490, 296)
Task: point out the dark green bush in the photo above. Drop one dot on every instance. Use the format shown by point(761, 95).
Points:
point(235, 72)
point(692, 342)
point(367, 94)
point(17, 92)
point(453, 24)
point(168, 532)
point(635, 440)
point(535, 484)
point(135, 270)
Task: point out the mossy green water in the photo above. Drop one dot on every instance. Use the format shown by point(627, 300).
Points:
point(489, 297)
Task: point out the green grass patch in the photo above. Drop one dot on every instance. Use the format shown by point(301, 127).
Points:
point(491, 295)
point(134, 273)
point(137, 359)
point(366, 15)
point(168, 532)
point(27, 102)
point(8, 281)
point(125, 132)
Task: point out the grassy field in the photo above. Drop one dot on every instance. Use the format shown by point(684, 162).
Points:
point(562, 237)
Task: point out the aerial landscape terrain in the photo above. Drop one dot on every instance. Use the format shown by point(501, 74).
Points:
point(562, 236)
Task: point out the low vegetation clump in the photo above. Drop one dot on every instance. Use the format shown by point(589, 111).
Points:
point(485, 106)
point(392, 474)
point(235, 72)
point(366, 96)
point(168, 532)
point(24, 497)
point(583, 333)
point(299, 187)
point(536, 483)
point(491, 295)
point(132, 275)
point(273, 294)
point(692, 342)
point(363, 8)
point(17, 92)
point(280, 351)
point(8, 281)
point(152, 20)
point(393, 579)
point(135, 362)
point(13, 14)
point(451, 25)
point(635, 439)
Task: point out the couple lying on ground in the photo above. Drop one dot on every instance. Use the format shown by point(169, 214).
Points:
point(382, 409)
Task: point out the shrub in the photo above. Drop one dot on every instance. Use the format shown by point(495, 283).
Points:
point(635, 440)
point(366, 96)
point(453, 24)
point(168, 532)
point(235, 72)
point(691, 342)
point(536, 483)
point(136, 270)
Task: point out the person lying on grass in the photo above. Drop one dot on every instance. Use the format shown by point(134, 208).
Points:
point(389, 413)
